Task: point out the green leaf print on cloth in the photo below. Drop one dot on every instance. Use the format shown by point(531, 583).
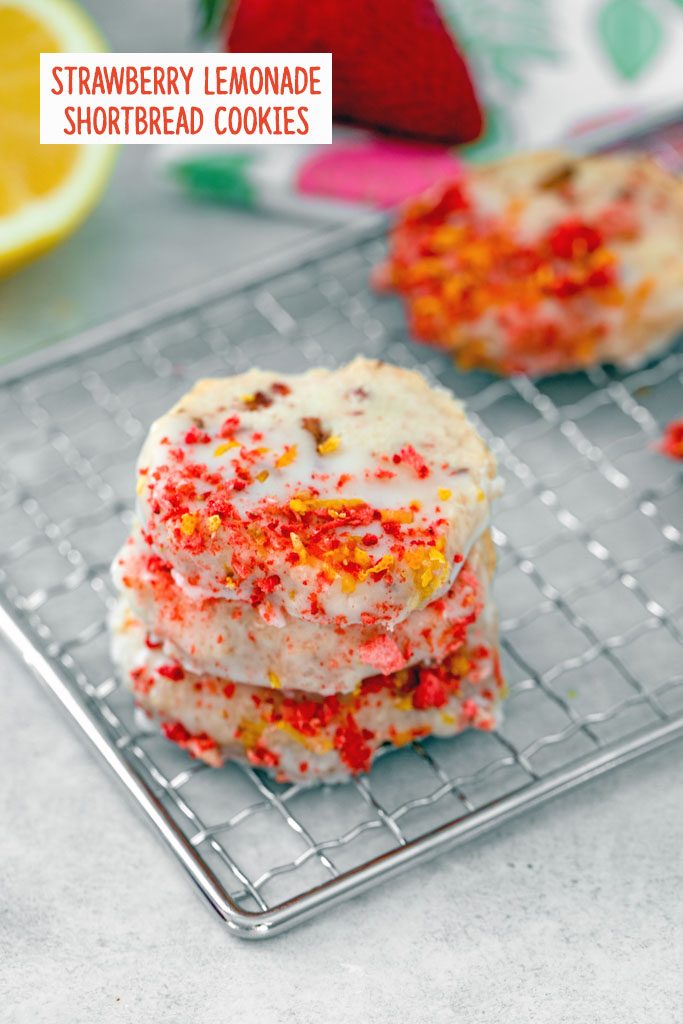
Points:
point(502, 41)
point(630, 34)
point(497, 139)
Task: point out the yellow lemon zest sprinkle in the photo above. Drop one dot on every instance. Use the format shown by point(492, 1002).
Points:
point(188, 524)
point(298, 546)
point(225, 447)
point(274, 681)
point(263, 475)
point(427, 305)
point(399, 739)
point(140, 485)
point(317, 744)
point(385, 562)
point(329, 445)
point(361, 557)
point(444, 493)
point(397, 515)
point(304, 503)
point(459, 665)
point(429, 566)
point(213, 523)
point(288, 456)
point(249, 732)
point(401, 677)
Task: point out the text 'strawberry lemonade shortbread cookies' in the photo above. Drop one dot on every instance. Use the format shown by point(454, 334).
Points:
point(310, 575)
point(544, 263)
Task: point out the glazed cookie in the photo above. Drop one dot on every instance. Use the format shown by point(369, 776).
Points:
point(297, 736)
point(230, 638)
point(544, 263)
point(338, 496)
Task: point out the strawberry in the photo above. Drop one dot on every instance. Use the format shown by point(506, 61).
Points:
point(395, 66)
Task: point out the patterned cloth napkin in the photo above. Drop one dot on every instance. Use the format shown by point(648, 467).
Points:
point(547, 68)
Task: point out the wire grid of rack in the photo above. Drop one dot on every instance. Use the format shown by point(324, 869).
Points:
point(590, 582)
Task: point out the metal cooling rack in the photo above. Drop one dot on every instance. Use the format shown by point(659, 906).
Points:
point(590, 584)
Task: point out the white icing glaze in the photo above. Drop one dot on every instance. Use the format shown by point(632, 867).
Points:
point(376, 412)
point(234, 641)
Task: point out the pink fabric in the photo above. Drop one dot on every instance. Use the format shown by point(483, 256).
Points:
point(378, 172)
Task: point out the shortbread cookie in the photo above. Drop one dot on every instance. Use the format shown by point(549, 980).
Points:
point(297, 736)
point(544, 263)
point(344, 496)
point(230, 638)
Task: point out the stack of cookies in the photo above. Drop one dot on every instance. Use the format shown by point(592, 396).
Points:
point(309, 575)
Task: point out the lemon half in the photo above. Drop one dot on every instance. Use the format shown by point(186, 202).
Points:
point(45, 191)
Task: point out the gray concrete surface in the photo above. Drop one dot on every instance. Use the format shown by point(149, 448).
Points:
point(573, 915)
